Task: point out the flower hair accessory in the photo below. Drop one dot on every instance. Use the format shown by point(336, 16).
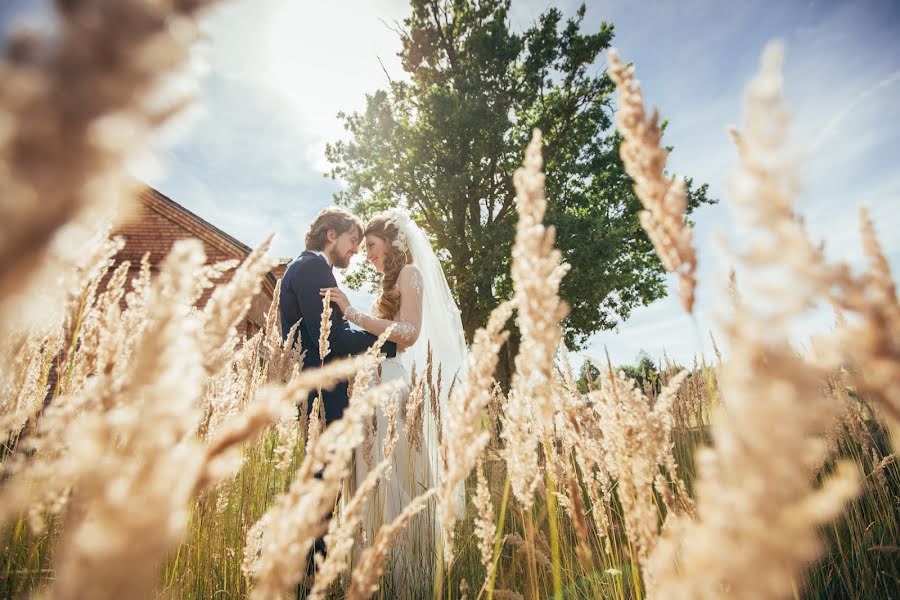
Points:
point(399, 218)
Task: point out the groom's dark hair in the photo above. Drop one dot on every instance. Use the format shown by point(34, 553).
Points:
point(331, 218)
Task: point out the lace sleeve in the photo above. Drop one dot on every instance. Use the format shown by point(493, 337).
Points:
point(409, 318)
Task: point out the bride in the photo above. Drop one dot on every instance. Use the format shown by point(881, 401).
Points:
point(416, 300)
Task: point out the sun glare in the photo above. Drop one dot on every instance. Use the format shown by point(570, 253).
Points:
point(321, 69)
point(337, 63)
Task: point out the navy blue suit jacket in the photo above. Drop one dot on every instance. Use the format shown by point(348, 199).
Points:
point(300, 301)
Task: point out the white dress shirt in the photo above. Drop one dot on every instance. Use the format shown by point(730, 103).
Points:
point(323, 255)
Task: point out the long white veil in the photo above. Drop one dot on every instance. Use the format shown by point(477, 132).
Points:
point(441, 326)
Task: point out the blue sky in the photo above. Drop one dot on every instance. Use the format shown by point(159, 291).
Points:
point(250, 157)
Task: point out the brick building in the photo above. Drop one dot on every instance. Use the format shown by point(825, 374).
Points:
point(158, 221)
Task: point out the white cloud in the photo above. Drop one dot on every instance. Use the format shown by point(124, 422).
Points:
point(281, 70)
point(842, 90)
point(252, 158)
point(318, 57)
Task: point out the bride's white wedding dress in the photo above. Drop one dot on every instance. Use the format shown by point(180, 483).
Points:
point(409, 474)
point(428, 316)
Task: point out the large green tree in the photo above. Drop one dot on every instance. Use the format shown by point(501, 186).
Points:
point(446, 141)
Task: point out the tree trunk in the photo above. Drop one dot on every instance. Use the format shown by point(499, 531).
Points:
point(506, 363)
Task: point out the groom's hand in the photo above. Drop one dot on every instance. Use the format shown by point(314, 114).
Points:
point(338, 297)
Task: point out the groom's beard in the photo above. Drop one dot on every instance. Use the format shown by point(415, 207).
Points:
point(341, 261)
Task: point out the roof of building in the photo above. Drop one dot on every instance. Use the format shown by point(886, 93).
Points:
point(203, 229)
point(192, 221)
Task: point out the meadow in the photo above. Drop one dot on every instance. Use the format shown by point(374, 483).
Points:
point(151, 452)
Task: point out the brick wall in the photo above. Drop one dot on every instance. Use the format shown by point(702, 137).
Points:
point(154, 226)
point(158, 222)
point(281, 267)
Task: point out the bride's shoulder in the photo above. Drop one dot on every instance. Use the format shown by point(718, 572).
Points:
point(411, 276)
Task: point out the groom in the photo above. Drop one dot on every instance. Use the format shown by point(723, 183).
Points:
point(332, 240)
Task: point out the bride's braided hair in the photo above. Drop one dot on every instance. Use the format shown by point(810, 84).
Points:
point(387, 305)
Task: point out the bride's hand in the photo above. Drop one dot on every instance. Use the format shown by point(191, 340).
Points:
point(338, 297)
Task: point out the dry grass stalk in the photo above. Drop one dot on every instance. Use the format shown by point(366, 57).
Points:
point(485, 528)
point(365, 378)
point(136, 299)
point(537, 272)
point(757, 513)
point(508, 595)
point(870, 345)
point(579, 429)
point(638, 450)
point(315, 424)
point(361, 382)
point(288, 432)
point(290, 527)
point(391, 408)
point(272, 404)
point(230, 389)
point(128, 486)
point(82, 314)
point(325, 327)
point(367, 576)
point(579, 522)
point(95, 367)
point(663, 197)
point(542, 555)
point(436, 405)
point(282, 356)
point(463, 438)
point(368, 443)
point(71, 117)
point(90, 319)
point(433, 397)
point(853, 416)
point(78, 316)
point(26, 385)
point(300, 515)
point(317, 414)
point(133, 482)
point(413, 414)
point(229, 304)
point(341, 534)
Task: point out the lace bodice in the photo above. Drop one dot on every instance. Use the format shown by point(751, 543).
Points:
point(408, 320)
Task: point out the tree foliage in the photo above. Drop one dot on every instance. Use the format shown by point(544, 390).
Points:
point(643, 371)
point(446, 141)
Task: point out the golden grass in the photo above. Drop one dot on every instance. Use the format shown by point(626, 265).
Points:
point(168, 460)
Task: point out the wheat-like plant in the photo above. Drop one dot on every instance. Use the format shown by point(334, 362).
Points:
point(464, 440)
point(663, 197)
point(637, 447)
point(756, 503)
point(150, 450)
point(537, 272)
point(71, 116)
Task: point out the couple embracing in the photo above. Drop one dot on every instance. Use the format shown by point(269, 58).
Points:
point(415, 299)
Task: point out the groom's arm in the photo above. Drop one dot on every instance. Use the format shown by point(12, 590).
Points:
point(344, 341)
